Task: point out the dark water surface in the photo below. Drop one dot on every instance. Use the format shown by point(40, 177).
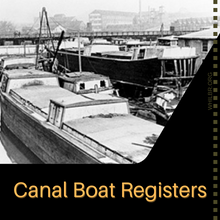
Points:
point(13, 152)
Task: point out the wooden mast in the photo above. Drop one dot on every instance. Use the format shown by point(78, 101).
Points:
point(44, 13)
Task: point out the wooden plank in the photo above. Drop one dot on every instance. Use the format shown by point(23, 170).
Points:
point(191, 67)
point(184, 67)
point(176, 68)
point(180, 62)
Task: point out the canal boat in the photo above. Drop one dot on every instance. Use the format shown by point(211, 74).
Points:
point(126, 67)
point(16, 62)
point(139, 67)
point(59, 126)
point(86, 82)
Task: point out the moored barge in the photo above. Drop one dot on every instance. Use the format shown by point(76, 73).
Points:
point(62, 127)
point(141, 67)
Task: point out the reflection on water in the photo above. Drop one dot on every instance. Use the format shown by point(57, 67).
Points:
point(15, 153)
point(4, 158)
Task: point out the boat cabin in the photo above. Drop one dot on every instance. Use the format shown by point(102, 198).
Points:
point(100, 41)
point(98, 49)
point(168, 41)
point(86, 82)
point(66, 108)
point(104, 123)
point(114, 52)
point(132, 44)
point(118, 41)
point(16, 62)
point(15, 78)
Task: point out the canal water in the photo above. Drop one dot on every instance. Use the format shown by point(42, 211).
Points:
point(4, 158)
point(11, 153)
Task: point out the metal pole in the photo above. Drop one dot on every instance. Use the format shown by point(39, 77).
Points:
point(80, 67)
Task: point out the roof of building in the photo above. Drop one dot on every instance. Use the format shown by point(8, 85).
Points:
point(204, 34)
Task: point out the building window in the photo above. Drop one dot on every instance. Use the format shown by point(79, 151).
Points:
point(204, 45)
point(187, 43)
point(102, 83)
point(82, 86)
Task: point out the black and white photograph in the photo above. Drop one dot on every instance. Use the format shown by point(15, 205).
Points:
point(96, 82)
point(129, 84)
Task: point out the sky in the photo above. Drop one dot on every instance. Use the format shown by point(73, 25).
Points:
point(24, 11)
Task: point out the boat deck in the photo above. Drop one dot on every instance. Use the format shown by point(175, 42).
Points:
point(40, 96)
point(83, 76)
point(124, 134)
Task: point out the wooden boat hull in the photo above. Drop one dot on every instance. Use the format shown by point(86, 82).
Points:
point(43, 140)
point(138, 72)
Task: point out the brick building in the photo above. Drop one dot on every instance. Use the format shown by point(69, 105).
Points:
point(102, 20)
